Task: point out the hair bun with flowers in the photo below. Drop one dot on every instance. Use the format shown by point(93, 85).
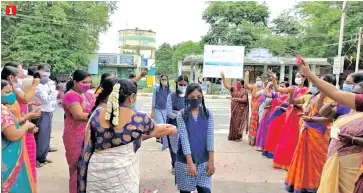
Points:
point(113, 105)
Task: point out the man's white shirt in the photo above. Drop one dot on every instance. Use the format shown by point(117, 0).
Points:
point(47, 95)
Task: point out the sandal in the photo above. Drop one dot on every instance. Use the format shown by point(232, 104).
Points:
point(52, 149)
point(39, 165)
point(47, 161)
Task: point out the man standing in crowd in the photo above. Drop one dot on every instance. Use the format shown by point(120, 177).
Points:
point(46, 94)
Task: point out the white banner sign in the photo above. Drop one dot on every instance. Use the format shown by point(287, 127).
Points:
point(227, 59)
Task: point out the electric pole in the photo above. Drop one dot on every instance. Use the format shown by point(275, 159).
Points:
point(360, 36)
point(341, 36)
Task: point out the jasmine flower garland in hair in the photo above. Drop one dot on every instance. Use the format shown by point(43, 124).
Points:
point(112, 104)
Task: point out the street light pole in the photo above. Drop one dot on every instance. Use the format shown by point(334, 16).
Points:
point(360, 34)
point(341, 36)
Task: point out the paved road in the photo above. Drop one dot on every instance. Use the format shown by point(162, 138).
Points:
point(239, 168)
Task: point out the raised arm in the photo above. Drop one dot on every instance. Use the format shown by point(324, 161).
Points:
point(341, 97)
point(141, 75)
point(267, 90)
point(29, 95)
point(276, 85)
point(247, 81)
point(225, 84)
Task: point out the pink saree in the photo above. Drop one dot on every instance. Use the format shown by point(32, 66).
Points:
point(74, 132)
point(30, 144)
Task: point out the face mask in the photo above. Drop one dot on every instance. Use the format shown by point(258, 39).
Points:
point(194, 103)
point(298, 81)
point(8, 99)
point(182, 89)
point(314, 90)
point(164, 83)
point(83, 87)
point(47, 74)
point(133, 106)
point(44, 80)
point(348, 87)
point(238, 86)
point(259, 83)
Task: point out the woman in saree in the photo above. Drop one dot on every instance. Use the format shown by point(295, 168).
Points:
point(257, 99)
point(348, 99)
point(286, 148)
point(116, 134)
point(286, 114)
point(12, 72)
point(269, 108)
point(16, 173)
point(77, 103)
point(239, 109)
point(341, 169)
point(311, 151)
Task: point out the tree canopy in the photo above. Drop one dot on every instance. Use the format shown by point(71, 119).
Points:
point(62, 34)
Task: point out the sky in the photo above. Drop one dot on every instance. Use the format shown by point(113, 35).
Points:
point(174, 21)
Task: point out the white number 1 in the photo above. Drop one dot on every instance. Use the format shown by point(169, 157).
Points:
point(10, 11)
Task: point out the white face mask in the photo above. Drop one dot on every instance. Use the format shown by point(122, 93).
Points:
point(182, 89)
point(164, 82)
point(298, 81)
point(259, 83)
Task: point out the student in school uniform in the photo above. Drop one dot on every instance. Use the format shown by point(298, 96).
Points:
point(194, 164)
point(175, 102)
point(159, 99)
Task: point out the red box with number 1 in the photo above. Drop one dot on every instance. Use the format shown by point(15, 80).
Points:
point(10, 10)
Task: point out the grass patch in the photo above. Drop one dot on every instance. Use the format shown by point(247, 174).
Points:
point(146, 90)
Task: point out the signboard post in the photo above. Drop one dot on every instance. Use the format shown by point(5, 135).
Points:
point(227, 59)
point(338, 63)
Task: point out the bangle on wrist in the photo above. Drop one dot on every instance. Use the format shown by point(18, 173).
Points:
point(353, 140)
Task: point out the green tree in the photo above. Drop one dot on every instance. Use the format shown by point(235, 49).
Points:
point(321, 24)
point(235, 23)
point(59, 33)
point(185, 49)
point(164, 56)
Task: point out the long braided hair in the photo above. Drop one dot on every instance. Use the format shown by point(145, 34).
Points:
point(105, 91)
point(191, 88)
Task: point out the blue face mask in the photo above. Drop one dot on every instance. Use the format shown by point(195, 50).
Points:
point(314, 90)
point(348, 87)
point(194, 103)
point(133, 106)
point(8, 99)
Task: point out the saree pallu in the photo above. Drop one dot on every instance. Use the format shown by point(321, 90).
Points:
point(114, 170)
point(16, 170)
point(341, 170)
point(308, 161)
point(30, 144)
point(255, 104)
point(285, 149)
point(275, 125)
point(262, 130)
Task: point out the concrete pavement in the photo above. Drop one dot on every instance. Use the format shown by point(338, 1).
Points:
point(239, 168)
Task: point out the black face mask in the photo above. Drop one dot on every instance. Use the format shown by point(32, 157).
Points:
point(194, 103)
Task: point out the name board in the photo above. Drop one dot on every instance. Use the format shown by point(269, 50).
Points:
point(144, 62)
point(107, 59)
point(126, 59)
point(227, 59)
